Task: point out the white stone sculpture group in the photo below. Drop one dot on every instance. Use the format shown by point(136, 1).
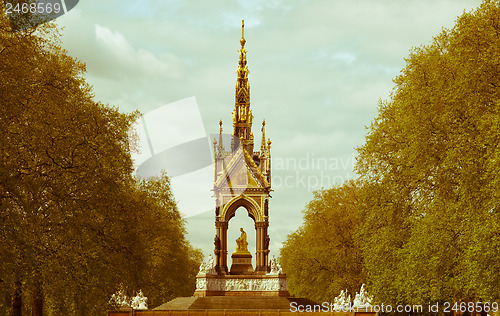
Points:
point(208, 266)
point(275, 266)
point(342, 302)
point(121, 300)
point(361, 300)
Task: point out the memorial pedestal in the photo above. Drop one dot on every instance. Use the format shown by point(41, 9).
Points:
point(242, 263)
point(241, 285)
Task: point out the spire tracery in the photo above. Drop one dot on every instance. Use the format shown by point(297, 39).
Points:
point(242, 115)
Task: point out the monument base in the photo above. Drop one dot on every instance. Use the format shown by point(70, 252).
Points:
point(242, 263)
point(226, 304)
point(241, 285)
point(237, 306)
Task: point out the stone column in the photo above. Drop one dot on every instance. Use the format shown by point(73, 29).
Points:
point(266, 249)
point(221, 259)
point(258, 248)
point(261, 262)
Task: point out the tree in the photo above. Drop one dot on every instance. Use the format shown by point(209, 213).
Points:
point(171, 262)
point(64, 160)
point(322, 257)
point(73, 220)
point(430, 228)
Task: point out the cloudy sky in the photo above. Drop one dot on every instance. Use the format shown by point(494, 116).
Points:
point(317, 71)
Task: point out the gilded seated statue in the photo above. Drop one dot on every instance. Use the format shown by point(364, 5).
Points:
point(241, 242)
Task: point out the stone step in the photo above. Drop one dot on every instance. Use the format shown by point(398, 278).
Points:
point(233, 302)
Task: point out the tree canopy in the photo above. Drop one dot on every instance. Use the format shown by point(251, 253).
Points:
point(74, 222)
point(431, 221)
point(426, 203)
point(322, 257)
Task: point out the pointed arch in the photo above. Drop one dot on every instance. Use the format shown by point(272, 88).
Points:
point(242, 200)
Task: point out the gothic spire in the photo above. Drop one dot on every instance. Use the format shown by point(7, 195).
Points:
point(242, 114)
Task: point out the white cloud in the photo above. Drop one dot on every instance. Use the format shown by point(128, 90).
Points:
point(123, 56)
point(344, 57)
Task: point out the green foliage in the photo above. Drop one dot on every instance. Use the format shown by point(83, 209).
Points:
point(430, 163)
point(322, 257)
point(172, 264)
point(425, 210)
point(74, 223)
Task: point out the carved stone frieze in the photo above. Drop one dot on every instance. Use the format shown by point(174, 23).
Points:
point(270, 283)
point(201, 283)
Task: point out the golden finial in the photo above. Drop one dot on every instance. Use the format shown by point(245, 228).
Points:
point(242, 40)
point(263, 142)
point(221, 145)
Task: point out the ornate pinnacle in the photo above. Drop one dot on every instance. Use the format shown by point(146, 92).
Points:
point(263, 142)
point(242, 40)
point(243, 57)
point(221, 145)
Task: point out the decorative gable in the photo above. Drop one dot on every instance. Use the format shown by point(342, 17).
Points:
point(240, 173)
